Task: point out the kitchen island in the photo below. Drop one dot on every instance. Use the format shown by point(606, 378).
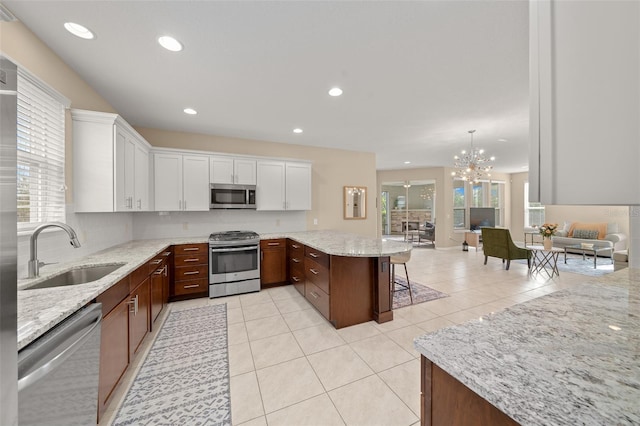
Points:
point(570, 357)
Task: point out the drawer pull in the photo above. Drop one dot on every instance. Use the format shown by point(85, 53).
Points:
point(296, 260)
point(296, 279)
point(158, 271)
point(273, 244)
point(295, 246)
point(166, 253)
point(191, 260)
point(313, 271)
point(156, 262)
point(191, 249)
point(191, 273)
point(191, 286)
point(312, 254)
point(313, 293)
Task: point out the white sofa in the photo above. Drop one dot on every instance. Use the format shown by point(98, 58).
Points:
point(613, 238)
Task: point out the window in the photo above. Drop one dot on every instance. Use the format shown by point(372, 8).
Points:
point(40, 167)
point(533, 212)
point(497, 191)
point(459, 205)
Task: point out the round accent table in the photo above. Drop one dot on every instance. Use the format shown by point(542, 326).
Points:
point(544, 260)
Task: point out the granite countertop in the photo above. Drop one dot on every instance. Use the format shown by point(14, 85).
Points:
point(338, 243)
point(39, 310)
point(570, 357)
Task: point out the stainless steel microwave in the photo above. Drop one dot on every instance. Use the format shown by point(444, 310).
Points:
point(231, 196)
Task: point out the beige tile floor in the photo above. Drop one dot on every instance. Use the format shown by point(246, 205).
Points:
point(289, 366)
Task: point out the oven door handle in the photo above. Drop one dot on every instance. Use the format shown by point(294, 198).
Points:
point(225, 250)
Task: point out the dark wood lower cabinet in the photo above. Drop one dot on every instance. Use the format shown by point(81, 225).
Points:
point(273, 262)
point(139, 310)
point(446, 401)
point(114, 352)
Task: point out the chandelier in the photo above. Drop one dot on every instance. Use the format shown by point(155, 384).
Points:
point(472, 165)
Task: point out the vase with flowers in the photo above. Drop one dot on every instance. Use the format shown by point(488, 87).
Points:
point(547, 231)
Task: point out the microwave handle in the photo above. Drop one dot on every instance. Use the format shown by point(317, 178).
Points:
point(220, 250)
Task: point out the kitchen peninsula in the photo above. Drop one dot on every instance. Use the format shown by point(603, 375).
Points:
point(570, 357)
point(40, 310)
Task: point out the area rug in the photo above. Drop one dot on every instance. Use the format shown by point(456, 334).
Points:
point(576, 265)
point(421, 293)
point(185, 378)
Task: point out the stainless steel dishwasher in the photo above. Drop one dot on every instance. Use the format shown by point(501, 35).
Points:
point(58, 373)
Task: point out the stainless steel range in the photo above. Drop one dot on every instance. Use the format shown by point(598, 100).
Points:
point(234, 263)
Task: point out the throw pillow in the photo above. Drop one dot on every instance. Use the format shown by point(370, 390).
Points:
point(587, 234)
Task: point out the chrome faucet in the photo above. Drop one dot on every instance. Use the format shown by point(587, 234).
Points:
point(34, 263)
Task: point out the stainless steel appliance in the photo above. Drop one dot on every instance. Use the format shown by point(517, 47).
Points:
point(232, 196)
point(58, 373)
point(234, 263)
point(8, 243)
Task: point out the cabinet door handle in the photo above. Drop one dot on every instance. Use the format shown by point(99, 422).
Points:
point(139, 204)
point(191, 286)
point(191, 273)
point(312, 254)
point(134, 302)
point(191, 260)
point(191, 249)
point(313, 271)
point(166, 270)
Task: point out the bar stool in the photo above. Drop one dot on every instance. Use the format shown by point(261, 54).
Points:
point(400, 259)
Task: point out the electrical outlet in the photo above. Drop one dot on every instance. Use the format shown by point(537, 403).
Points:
point(315, 221)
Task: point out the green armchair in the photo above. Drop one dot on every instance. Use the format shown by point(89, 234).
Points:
point(497, 242)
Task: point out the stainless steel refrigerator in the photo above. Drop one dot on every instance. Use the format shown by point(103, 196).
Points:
point(8, 244)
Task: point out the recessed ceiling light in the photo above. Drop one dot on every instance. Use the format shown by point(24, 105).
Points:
point(336, 91)
point(298, 130)
point(190, 111)
point(407, 162)
point(78, 30)
point(170, 43)
point(502, 140)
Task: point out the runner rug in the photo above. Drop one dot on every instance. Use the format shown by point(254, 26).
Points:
point(421, 293)
point(185, 378)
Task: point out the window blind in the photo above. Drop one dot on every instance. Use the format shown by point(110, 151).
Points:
point(41, 157)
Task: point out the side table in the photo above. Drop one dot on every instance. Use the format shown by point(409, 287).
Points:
point(473, 239)
point(544, 260)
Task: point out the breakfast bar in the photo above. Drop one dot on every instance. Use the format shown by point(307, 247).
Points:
point(570, 357)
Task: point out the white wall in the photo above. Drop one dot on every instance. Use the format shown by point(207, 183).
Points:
point(190, 224)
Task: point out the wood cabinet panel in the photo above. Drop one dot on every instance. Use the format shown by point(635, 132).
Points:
point(114, 352)
point(318, 256)
point(138, 276)
point(191, 272)
point(273, 262)
point(192, 259)
point(139, 310)
point(317, 274)
point(318, 298)
point(183, 288)
point(157, 291)
point(446, 401)
point(114, 295)
point(352, 281)
point(183, 249)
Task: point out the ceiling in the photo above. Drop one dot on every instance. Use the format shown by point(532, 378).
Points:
point(416, 75)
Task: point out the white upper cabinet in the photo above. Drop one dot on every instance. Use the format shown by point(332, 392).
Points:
point(181, 182)
point(111, 164)
point(232, 170)
point(584, 102)
point(283, 185)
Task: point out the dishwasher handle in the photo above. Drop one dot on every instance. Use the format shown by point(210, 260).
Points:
point(48, 355)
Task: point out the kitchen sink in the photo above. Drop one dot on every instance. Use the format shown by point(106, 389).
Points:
point(77, 276)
